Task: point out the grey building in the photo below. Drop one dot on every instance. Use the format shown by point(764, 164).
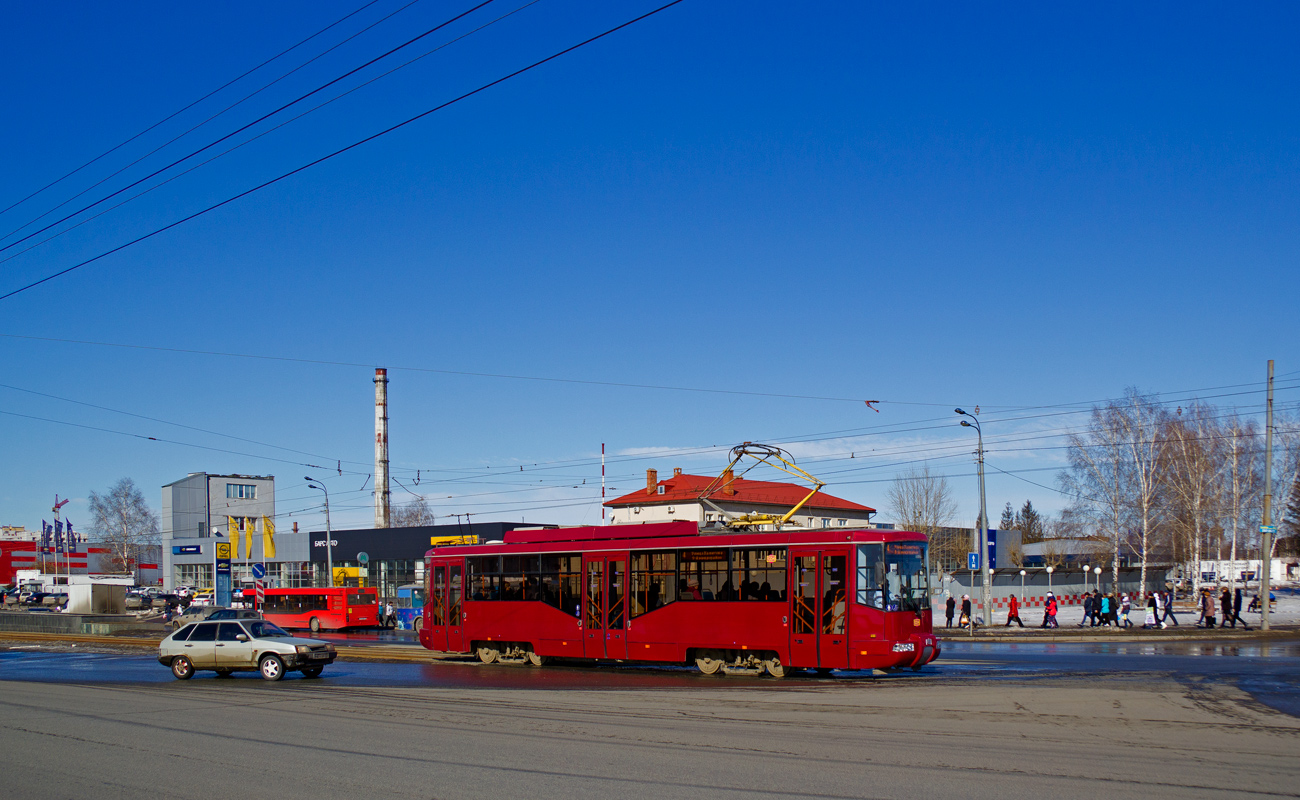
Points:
point(201, 509)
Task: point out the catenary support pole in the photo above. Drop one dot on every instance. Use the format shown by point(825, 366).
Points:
point(1266, 535)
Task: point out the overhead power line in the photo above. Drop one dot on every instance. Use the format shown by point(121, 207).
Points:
point(342, 150)
point(180, 111)
point(243, 128)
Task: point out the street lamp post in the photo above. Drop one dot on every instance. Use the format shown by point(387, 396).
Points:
point(1085, 578)
point(1022, 587)
point(1050, 570)
point(984, 520)
point(312, 483)
point(1096, 572)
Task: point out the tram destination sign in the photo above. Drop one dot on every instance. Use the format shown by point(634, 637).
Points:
point(704, 555)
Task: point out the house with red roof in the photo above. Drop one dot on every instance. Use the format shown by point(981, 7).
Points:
point(679, 498)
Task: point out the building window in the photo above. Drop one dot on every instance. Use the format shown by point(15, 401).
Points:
point(198, 576)
point(241, 491)
point(826, 522)
point(844, 523)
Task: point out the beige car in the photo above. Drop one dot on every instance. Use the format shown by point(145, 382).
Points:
point(238, 645)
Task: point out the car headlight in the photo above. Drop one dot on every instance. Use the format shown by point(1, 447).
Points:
point(302, 649)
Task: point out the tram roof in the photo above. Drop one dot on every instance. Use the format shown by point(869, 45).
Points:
point(682, 533)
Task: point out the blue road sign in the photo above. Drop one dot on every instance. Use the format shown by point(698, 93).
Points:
point(1268, 529)
point(972, 561)
point(259, 571)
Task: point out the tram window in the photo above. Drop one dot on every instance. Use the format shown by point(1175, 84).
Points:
point(703, 575)
point(484, 577)
point(759, 574)
point(513, 571)
point(653, 578)
point(871, 571)
point(616, 581)
point(803, 608)
point(560, 582)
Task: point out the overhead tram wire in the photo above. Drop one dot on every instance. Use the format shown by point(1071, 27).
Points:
point(251, 140)
point(343, 150)
point(243, 128)
point(177, 113)
point(175, 424)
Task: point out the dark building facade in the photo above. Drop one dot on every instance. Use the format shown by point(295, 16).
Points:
point(394, 557)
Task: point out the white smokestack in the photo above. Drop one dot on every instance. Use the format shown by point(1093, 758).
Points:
point(382, 495)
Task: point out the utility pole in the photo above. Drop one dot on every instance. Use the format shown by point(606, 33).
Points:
point(1266, 529)
point(986, 569)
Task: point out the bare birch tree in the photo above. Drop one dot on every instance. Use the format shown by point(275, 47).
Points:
point(1243, 473)
point(922, 501)
point(413, 514)
point(123, 521)
point(1195, 458)
point(1142, 422)
point(1096, 481)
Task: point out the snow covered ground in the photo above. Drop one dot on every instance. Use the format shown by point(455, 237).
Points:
point(1286, 612)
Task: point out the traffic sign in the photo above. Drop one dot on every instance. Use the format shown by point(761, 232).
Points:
point(259, 572)
point(363, 557)
point(1268, 529)
point(972, 561)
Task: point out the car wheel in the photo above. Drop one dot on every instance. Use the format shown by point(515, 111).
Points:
point(182, 668)
point(271, 667)
point(419, 624)
point(314, 625)
point(311, 672)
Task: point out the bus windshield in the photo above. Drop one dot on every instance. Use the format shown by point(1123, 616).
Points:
point(892, 576)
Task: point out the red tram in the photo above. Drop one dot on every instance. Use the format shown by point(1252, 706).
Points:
point(670, 592)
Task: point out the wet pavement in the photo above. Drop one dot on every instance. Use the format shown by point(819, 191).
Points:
point(1269, 671)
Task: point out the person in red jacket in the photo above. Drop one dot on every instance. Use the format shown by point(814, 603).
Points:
point(1013, 612)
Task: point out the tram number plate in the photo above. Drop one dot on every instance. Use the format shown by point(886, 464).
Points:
point(905, 647)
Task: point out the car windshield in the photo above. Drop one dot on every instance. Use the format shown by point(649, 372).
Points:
point(261, 629)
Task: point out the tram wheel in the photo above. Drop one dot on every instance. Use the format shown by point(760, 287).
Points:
point(314, 625)
point(707, 661)
point(488, 654)
point(774, 667)
point(535, 660)
point(419, 624)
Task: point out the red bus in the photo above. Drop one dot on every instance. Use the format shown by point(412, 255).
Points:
point(328, 609)
point(670, 592)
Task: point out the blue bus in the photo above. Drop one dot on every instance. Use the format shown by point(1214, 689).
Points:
point(409, 607)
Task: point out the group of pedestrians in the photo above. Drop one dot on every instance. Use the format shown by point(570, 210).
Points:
point(1106, 610)
point(1228, 601)
point(1112, 610)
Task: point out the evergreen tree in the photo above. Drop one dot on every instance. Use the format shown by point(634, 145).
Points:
point(1008, 519)
point(1030, 523)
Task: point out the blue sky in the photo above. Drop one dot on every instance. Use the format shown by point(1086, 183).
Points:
point(1010, 206)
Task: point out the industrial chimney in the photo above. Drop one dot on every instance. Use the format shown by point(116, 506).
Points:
point(382, 495)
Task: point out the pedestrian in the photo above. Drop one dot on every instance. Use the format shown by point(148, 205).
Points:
point(1225, 605)
point(1096, 608)
point(951, 607)
point(392, 618)
point(966, 618)
point(1236, 610)
point(1152, 608)
point(1013, 612)
point(1160, 605)
point(1105, 611)
point(1114, 610)
point(1049, 612)
point(1087, 609)
point(1126, 605)
point(1169, 608)
point(1207, 607)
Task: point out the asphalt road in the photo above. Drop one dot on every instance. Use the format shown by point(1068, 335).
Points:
point(1005, 721)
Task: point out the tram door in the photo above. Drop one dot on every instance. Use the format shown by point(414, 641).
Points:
point(818, 609)
point(455, 590)
point(604, 606)
point(437, 621)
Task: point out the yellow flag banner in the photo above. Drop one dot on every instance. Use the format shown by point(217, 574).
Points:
point(268, 538)
point(249, 524)
point(232, 528)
